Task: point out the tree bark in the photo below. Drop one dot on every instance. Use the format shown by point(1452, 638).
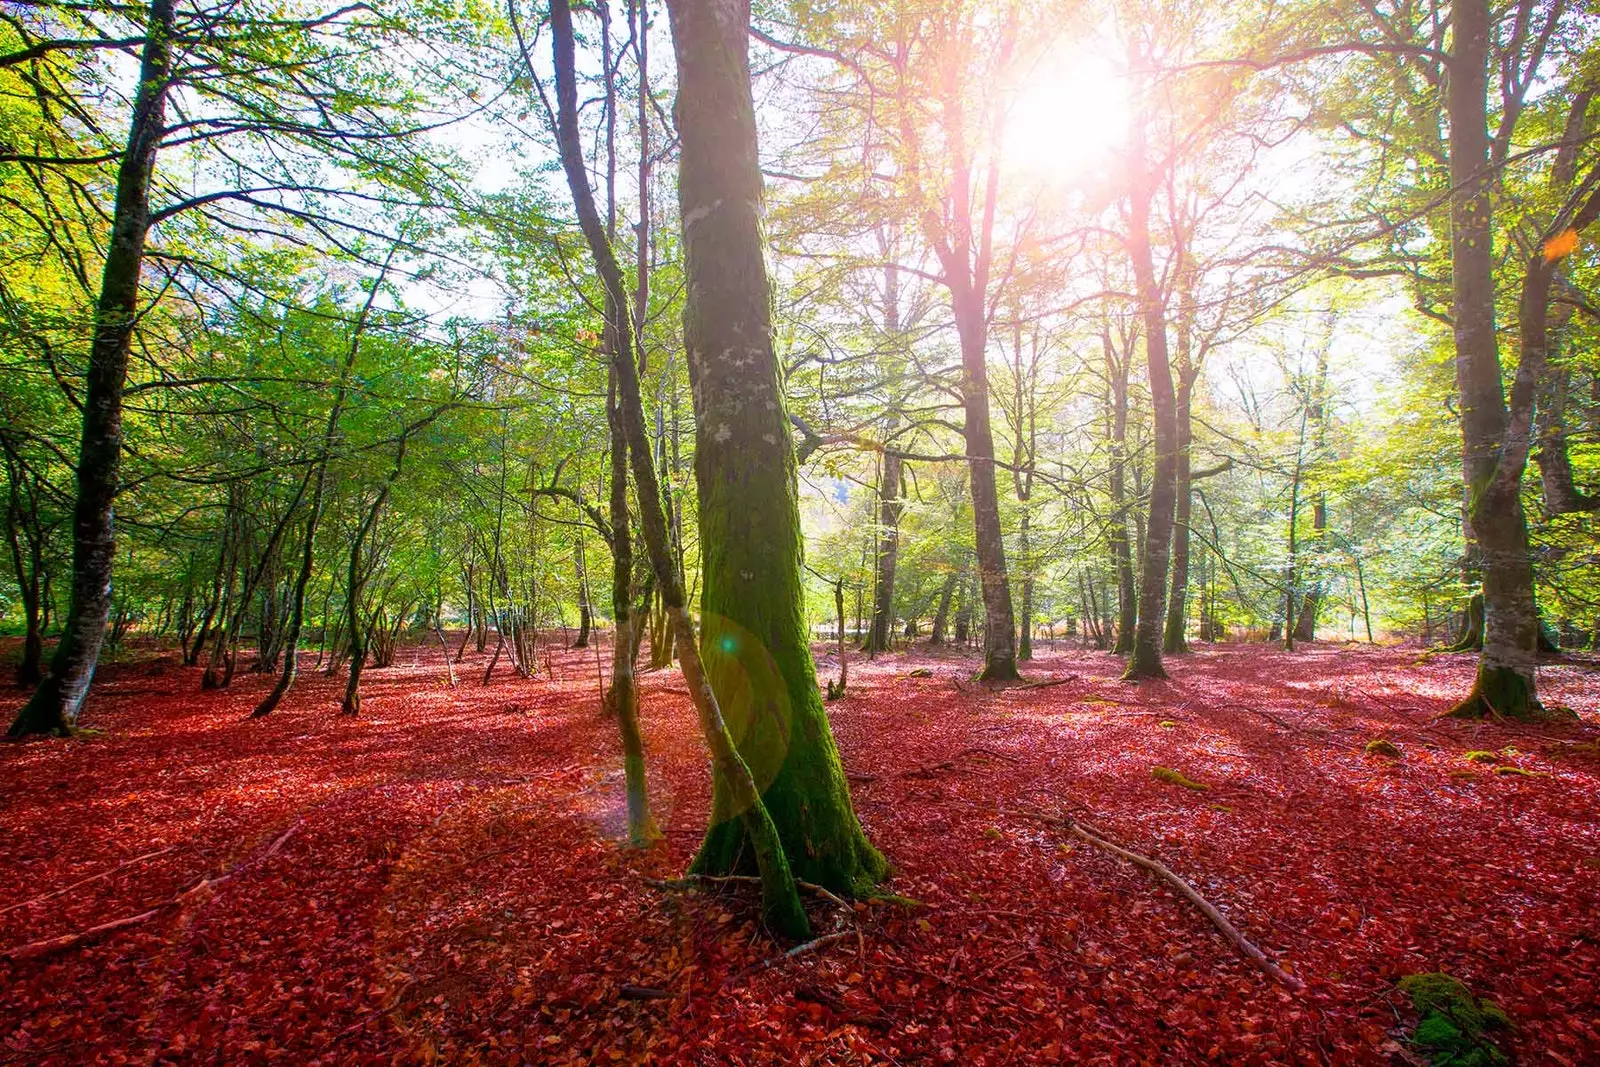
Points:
point(25, 536)
point(308, 547)
point(1505, 683)
point(1116, 475)
point(56, 703)
point(880, 635)
point(1146, 658)
point(1175, 639)
point(754, 644)
point(585, 610)
point(941, 615)
point(624, 696)
point(710, 39)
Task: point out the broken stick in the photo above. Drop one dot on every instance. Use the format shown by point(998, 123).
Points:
point(52, 945)
point(1231, 932)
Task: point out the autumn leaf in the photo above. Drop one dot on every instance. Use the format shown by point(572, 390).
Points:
point(1562, 244)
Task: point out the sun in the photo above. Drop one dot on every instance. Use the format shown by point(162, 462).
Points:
point(1068, 116)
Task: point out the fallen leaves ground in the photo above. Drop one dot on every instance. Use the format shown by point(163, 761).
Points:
point(454, 890)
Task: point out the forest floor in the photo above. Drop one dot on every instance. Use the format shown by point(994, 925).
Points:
point(453, 889)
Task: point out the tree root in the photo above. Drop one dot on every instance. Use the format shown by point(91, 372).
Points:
point(202, 888)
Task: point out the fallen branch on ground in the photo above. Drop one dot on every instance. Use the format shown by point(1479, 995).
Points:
point(1242, 943)
point(799, 950)
point(1047, 683)
point(643, 992)
point(928, 770)
point(50, 946)
point(85, 881)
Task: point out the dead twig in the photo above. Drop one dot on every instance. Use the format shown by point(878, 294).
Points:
point(799, 950)
point(1242, 943)
point(643, 992)
point(51, 946)
point(1047, 682)
point(92, 878)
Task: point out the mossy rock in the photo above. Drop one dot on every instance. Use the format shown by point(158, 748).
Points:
point(1167, 724)
point(1380, 747)
point(1453, 1026)
point(1480, 756)
point(920, 672)
point(1178, 778)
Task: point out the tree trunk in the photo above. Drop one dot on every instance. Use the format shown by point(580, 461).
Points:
point(624, 696)
point(1146, 659)
point(319, 482)
point(55, 704)
point(1175, 638)
point(1505, 684)
point(585, 612)
point(1117, 531)
point(1305, 627)
point(756, 654)
point(836, 689)
point(941, 616)
point(714, 92)
point(880, 636)
point(23, 525)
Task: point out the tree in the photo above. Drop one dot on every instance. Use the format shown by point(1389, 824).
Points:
point(54, 706)
point(752, 601)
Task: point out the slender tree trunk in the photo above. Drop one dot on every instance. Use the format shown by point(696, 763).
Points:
point(1175, 639)
point(999, 653)
point(1305, 627)
point(55, 704)
point(1025, 561)
point(624, 696)
point(941, 615)
point(1146, 659)
point(836, 689)
point(308, 546)
point(880, 635)
point(1116, 475)
point(23, 525)
point(585, 612)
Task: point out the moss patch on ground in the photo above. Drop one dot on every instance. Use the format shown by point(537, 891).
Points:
point(1453, 1026)
point(1178, 778)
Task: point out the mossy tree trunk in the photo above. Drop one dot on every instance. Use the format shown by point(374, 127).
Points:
point(709, 36)
point(753, 643)
point(55, 704)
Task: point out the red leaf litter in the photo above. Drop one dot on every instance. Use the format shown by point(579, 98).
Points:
point(454, 889)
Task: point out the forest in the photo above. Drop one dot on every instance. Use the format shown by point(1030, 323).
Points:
point(845, 532)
